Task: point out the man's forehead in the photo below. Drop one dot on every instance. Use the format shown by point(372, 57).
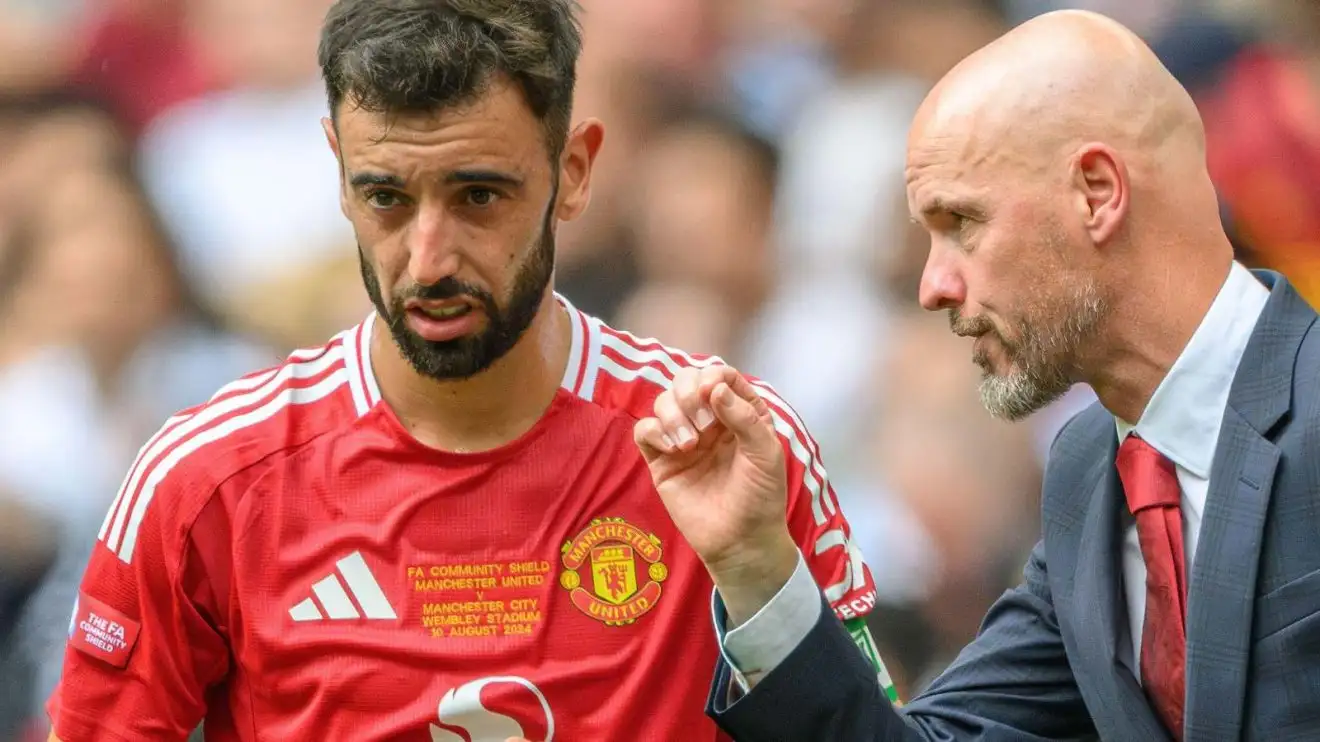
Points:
point(436, 141)
point(933, 158)
point(498, 116)
point(938, 185)
point(367, 128)
point(966, 150)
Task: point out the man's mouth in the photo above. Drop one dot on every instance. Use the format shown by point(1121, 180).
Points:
point(446, 309)
point(446, 312)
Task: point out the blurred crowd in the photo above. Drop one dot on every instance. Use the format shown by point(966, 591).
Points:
point(169, 220)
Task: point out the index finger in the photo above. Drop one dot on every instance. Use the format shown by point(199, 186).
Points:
point(740, 386)
point(714, 375)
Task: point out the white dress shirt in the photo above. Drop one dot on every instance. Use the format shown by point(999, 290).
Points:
point(1181, 421)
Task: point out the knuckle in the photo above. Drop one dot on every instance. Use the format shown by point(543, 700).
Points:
point(650, 433)
point(712, 375)
point(669, 412)
point(691, 399)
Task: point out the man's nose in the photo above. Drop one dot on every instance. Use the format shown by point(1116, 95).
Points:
point(942, 285)
point(432, 242)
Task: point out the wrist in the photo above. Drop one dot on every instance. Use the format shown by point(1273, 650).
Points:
point(748, 579)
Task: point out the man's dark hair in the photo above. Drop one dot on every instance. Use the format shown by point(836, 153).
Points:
point(419, 56)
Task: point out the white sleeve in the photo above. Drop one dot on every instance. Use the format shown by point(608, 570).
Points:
point(767, 638)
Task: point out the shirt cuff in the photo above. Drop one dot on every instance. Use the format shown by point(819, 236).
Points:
point(767, 638)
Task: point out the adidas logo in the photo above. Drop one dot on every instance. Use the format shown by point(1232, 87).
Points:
point(331, 599)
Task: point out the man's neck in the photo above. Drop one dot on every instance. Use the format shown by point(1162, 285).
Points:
point(490, 409)
point(1148, 331)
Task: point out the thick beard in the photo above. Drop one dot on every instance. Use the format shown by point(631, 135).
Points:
point(465, 357)
point(1044, 358)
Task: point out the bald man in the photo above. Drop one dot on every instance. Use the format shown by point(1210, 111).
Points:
point(1074, 234)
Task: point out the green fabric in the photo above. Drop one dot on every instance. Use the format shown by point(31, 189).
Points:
point(866, 643)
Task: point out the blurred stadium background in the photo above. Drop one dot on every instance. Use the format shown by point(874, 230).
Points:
point(169, 220)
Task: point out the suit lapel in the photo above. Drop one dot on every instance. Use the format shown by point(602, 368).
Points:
point(1221, 597)
point(1102, 610)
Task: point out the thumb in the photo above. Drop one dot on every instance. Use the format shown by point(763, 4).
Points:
point(743, 420)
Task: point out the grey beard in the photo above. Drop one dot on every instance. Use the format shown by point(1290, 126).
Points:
point(1045, 368)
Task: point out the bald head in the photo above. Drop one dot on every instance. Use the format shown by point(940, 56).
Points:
point(1038, 105)
point(1061, 173)
point(1059, 80)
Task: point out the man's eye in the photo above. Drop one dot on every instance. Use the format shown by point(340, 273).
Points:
point(482, 196)
point(964, 226)
point(383, 199)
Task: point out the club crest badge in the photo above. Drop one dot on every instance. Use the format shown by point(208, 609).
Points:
point(612, 571)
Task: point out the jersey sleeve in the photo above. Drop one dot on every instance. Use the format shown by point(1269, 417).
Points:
point(145, 639)
point(815, 519)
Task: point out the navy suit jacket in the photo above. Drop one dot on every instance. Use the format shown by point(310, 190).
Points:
point(1045, 663)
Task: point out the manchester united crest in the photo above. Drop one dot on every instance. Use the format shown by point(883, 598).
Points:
point(612, 571)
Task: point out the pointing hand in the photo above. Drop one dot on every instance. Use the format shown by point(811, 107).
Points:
point(719, 468)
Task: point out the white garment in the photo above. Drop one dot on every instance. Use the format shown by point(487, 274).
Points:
point(1182, 422)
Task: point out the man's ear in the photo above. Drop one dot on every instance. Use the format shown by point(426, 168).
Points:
point(1101, 181)
point(332, 137)
point(575, 168)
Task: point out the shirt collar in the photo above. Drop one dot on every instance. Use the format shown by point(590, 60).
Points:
point(1184, 415)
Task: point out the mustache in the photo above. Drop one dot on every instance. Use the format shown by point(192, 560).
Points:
point(969, 326)
point(445, 288)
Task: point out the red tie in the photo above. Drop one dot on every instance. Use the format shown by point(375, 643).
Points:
point(1153, 496)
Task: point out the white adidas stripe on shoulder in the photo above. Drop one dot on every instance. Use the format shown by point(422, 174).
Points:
point(777, 402)
point(632, 347)
point(184, 434)
point(242, 384)
point(233, 396)
point(576, 341)
point(583, 352)
point(352, 342)
point(259, 378)
point(357, 357)
point(659, 364)
point(591, 357)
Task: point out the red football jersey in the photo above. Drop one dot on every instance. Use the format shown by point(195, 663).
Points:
point(289, 563)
